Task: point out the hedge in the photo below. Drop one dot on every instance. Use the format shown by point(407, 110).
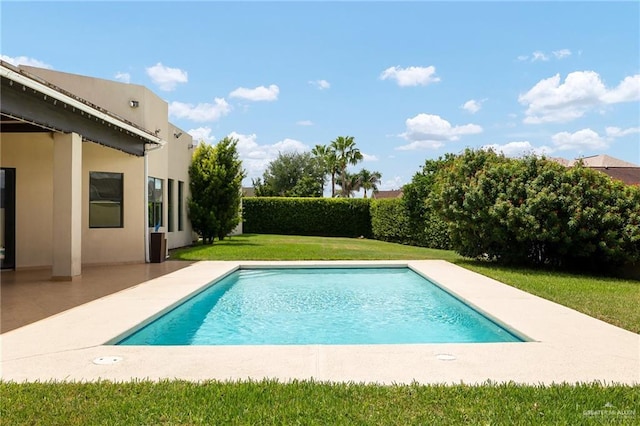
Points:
point(390, 221)
point(326, 217)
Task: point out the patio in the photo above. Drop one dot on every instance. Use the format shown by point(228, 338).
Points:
point(30, 295)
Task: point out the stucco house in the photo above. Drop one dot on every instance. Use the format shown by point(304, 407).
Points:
point(90, 167)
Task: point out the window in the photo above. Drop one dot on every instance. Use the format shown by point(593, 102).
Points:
point(155, 202)
point(170, 204)
point(105, 200)
point(180, 205)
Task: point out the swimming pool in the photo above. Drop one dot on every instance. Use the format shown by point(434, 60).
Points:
point(329, 306)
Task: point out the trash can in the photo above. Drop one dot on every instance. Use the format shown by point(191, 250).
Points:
point(158, 249)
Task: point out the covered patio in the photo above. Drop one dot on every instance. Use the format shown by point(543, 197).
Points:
point(27, 296)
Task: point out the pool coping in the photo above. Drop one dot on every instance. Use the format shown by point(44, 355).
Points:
point(565, 346)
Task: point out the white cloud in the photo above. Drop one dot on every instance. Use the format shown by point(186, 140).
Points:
point(431, 131)
point(562, 53)
point(472, 106)
point(616, 132)
point(260, 93)
point(389, 184)
point(256, 157)
point(552, 101)
point(165, 77)
point(627, 91)
point(201, 112)
point(320, 84)
point(304, 123)
point(25, 60)
point(202, 134)
point(124, 77)
point(539, 56)
point(519, 149)
point(411, 76)
point(367, 157)
point(585, 139)
point(581, 141)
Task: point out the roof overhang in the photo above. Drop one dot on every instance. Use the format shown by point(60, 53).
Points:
point(31, 104)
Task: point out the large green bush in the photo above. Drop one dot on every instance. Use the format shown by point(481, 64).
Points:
point(328, 217)
point(536, 211)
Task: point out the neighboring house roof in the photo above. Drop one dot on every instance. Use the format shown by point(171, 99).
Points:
point(394, 193)
point(562, 161)
point(615, 168)
point(603, 160)
point(628, 175)
point(30, 103)
point(248, 191)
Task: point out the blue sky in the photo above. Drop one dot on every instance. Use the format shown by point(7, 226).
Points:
point(410, 81)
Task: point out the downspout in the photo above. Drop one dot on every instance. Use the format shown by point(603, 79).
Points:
point(147, 149)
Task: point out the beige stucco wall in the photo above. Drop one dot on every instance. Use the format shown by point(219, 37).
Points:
point(31, 154)
point(115, 97)
point(114, 245)
point(170, 162)
point(178, 151)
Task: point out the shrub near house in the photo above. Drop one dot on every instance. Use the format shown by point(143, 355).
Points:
point(216, 182)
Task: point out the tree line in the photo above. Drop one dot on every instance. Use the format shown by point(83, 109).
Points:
point(305, 174)
point(479, 203)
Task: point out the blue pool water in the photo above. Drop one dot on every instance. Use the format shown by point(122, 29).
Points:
point(321, 306)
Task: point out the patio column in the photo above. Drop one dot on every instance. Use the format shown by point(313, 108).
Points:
point(67, 206)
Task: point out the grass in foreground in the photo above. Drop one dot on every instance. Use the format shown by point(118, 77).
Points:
point(612, 300)
point(309, 403)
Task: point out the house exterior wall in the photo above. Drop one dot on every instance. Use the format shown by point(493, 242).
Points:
point(114, 245)
point(178, 149)
point(31, 154)
point(151, 113)
point(170, 162)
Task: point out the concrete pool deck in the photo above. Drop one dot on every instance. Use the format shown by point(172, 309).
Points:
point(565, 346)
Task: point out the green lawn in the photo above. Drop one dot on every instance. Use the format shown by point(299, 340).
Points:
point(610, 299)
point(311, 403)
point(614, 300)
point(292, 247)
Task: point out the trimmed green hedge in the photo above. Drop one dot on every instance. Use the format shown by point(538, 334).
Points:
point(326, 217)
point(390, 221)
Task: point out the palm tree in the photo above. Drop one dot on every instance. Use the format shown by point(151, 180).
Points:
point(369, 180)
point(349, 185)
point(327, 157)
point(346, 153)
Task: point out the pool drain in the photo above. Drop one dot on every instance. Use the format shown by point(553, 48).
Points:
point(446, 357)
point(107, 360)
